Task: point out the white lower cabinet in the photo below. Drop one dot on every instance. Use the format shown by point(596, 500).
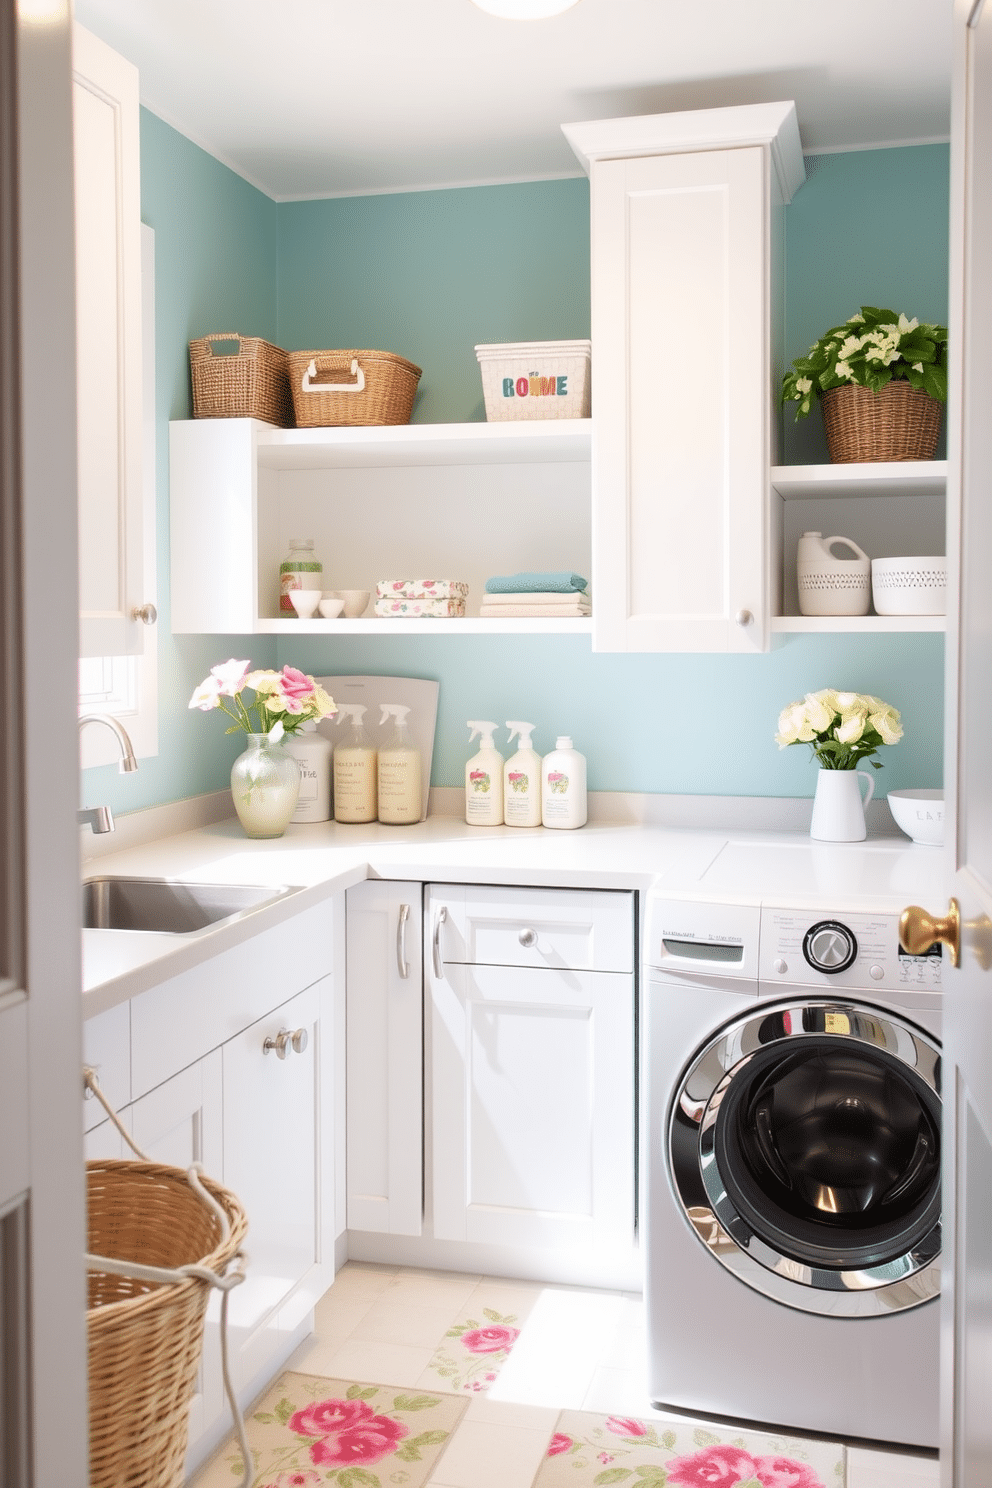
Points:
point(238, 1069)
point(529, 1091)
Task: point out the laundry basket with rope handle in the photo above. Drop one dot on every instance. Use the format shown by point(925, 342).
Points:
point(158, 1238)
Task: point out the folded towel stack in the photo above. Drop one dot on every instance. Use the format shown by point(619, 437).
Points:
point(554, 595)
point(436, 599)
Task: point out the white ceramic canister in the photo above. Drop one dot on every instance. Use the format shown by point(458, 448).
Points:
point(312, 752)
point(830, 584)
point(909, 586)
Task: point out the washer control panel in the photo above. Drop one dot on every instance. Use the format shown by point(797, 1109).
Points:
point(850, 950)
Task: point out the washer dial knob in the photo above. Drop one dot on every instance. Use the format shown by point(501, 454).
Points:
point(829, 947)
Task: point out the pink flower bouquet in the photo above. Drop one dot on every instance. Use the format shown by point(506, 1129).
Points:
point(283, 700)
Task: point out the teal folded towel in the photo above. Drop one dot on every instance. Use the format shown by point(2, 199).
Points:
point(535, 583)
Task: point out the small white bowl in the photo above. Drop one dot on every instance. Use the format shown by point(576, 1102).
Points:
point(331, 608)
point(920, 814)
point(305, 602)
point(355, 601)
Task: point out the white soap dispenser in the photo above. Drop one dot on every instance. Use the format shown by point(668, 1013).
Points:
point(522, 779)
point(355, 794)
point(399, 770)
point(312, 752)
point(484, 779)
point(563, 786)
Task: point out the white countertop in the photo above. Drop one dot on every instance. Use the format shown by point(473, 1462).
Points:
point(323, 859)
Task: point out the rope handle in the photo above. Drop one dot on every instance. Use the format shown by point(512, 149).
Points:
point(223, 1281)
point(222, 336)
point(310, 386)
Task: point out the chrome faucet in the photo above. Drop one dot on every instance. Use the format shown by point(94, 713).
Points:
point(101, 818)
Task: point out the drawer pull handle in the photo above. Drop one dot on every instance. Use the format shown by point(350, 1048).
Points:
point(285, 1042)
point(401, 961)
point(439, 919)
point(528, 938)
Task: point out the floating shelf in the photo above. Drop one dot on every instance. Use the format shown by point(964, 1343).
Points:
point(540, 441)
point(465, 625)
point(855, 624)
point(906, 478)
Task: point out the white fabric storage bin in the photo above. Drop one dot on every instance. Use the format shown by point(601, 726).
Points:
point(536, 379)
point(909, 586)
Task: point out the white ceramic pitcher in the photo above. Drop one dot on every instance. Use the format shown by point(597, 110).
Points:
point(839, 807)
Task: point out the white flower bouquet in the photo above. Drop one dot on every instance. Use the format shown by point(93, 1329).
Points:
point(869, 350)
point(841, 728)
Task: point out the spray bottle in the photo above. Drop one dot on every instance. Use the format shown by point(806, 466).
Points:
point(399, 770)
point(354, 769)
point(484, 779)
point(522, 780)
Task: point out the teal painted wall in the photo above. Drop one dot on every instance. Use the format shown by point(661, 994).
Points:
point(429, 275)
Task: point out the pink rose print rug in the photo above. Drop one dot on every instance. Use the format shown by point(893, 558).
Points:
point(591, 1449)
point(309, 1431)
point(471, 1354)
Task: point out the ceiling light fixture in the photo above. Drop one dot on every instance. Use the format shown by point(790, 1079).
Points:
point(525, 10)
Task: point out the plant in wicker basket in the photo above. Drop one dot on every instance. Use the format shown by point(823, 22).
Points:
point(882, 380)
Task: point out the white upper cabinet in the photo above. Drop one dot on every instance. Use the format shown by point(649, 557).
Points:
point(686, 246)
point(108, 347)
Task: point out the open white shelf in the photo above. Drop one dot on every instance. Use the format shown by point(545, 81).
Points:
point(537, 442)
point(907, 478)
point(854, 624)
point(465, 625)
point(888, 508)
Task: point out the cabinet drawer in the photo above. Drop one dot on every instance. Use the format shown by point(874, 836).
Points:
point(550, 928)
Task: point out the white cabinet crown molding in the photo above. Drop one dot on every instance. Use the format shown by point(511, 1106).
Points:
point(770, 124)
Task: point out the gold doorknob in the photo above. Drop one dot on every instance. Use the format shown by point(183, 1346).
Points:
point(918, 930)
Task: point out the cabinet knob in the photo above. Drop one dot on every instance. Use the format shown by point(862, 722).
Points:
point(285, 1042)
point(744, 617)
point(147, 613)
point(528, 938)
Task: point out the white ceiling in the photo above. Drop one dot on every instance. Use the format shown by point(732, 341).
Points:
point(310, 98)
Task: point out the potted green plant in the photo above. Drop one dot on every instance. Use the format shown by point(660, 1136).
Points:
point(882, 381)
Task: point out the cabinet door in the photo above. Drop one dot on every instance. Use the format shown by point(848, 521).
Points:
point(683, 403)
point(580, 929)
point(108, 347)
point(385, 1058)
point(272, 1161)
point(532, 1086)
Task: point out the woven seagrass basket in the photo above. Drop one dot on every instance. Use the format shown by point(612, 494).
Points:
point(252, 382)
point(144, 1339)
point(899, 423)
point(351, 388)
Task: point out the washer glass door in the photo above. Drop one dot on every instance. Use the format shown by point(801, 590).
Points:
point(804, 1142)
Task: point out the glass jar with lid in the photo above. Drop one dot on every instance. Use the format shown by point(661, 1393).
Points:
point(301, 569)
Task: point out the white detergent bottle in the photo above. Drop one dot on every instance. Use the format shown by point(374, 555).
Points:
point(484, 779)
point(355, 795)
point(563, 786)
point(399, 770)
point(522, 779)
point(312, 753)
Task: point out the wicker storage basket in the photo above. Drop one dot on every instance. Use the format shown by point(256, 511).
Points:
point(351, 387)
point(899, 423)
point(252, 382)
point(144, 1340)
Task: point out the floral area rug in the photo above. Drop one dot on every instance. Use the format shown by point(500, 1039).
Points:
point(589, 1449)
point(308, 1431)
point(472, 1352)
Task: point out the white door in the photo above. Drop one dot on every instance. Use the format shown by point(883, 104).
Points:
point(42, 1228)
point(967, 1355)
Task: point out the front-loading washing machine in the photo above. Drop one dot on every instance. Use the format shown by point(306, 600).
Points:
point(792, 1064)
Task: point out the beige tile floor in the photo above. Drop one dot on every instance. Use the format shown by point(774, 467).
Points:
point(578, 1350)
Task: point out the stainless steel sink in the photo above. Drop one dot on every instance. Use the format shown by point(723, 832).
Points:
point(165, 906)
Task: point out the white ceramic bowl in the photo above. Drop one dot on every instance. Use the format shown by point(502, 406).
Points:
point(909, 586)
point(920, 814)
point(305, 602)
point(355, 601)
point(331, 608)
